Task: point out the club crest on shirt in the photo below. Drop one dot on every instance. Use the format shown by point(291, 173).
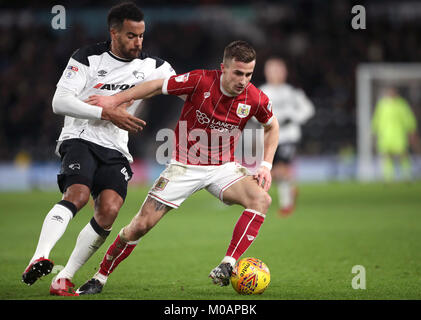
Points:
point(139, 75)
point(243, 110)
point(160, 184)
point(182, 78)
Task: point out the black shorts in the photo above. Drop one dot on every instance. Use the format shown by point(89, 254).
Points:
point(99, 168)
point(285, 153)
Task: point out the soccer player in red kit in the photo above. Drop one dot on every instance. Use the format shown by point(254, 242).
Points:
point(217, 103)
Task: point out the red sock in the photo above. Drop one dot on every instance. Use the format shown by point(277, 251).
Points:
point(116, 253)
point(245, 231)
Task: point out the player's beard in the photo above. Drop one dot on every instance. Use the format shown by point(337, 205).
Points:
point(128, 54)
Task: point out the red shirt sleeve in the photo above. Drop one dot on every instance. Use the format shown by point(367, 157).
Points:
point(182, 84)
point(264, 112)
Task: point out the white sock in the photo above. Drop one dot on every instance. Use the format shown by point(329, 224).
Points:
point(55, 223)
point(100, 277)
point(230, 260)
point(87, 243)
point(285, 194)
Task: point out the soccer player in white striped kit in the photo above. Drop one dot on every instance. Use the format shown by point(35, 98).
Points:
point(217, 103)
point(93, 142)
point(292, 109)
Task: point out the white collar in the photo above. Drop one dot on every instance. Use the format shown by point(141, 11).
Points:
point(117, 57)
point(223, 90)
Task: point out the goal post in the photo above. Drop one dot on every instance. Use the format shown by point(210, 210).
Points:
point(371, 79)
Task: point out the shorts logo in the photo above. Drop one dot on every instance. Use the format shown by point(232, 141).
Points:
point(74, 166)
point(182, 78)
point(125, 173)
point(202, 117)
point(243, 110)
point(161, 184)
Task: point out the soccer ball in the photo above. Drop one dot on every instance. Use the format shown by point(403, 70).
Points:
point(250, 276)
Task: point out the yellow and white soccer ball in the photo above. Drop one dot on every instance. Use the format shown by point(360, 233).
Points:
point(250, 276)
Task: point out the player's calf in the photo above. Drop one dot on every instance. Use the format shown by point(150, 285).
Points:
point(244, 234)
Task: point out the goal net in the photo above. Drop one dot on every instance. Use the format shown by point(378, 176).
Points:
point(371, 81)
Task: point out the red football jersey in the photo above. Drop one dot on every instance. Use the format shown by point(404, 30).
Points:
point(211, 122)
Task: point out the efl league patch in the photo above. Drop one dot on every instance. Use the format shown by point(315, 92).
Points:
point(70, 72)
point(160, 184)
point(73, 68)
point(182, 78)
point(243, 110)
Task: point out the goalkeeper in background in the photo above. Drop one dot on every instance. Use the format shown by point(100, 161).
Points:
point(394, 125)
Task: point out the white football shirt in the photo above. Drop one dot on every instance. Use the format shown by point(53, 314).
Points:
point(291, 107)
point(95, 69)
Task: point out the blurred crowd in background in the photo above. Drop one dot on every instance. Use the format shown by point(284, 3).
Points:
point(315, 38)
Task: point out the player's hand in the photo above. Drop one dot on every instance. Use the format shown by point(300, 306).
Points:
point(102, 101)
point(263, 177)
point(121, 118)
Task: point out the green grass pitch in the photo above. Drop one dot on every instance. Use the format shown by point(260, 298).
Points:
point(310, 254)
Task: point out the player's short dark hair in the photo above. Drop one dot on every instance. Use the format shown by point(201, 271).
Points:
point(121, 12)
point(240, 51)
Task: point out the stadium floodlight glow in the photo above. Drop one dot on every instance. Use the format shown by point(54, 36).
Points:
point(371, 78)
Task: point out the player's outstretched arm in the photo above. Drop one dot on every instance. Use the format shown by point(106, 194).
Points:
point(271, 136)
point(67, 104)
point(143, 90)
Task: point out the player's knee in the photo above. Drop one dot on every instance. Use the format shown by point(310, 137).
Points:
point(107, 215)
point(111, 209)
point(260, 201)
point(267, 200)
point(79, 198)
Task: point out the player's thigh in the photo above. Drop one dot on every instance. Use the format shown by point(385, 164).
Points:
point(247, 193)
point(113, 177)
point(220, 178)
point(78, 166)
point(176, 183)
point(282, 162)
